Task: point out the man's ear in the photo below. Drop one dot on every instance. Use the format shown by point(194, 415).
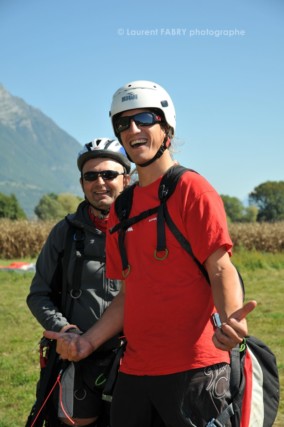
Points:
point(126, 180)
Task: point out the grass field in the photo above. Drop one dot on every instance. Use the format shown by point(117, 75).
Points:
point(264, 278)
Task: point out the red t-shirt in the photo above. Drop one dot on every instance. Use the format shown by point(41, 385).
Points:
point(168, 304)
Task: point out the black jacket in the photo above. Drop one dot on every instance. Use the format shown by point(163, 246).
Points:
point(97, 291)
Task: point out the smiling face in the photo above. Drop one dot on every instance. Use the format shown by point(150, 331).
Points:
point(141, 142)
point(102, 193)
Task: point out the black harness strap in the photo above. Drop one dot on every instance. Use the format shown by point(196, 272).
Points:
point(79, 238)
point(127, 222)
point(123, 254)
point(161, 231)
point(64, 263)
point(184, 242)
point(166, 189)
point(123, 207)
point(111, 379)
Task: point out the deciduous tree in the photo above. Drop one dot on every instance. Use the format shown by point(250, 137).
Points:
point(233, 207)
point(56, 206)
point(269, 198)
point(10, 208)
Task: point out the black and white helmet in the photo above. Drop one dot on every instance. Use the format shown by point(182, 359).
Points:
point(103, 147)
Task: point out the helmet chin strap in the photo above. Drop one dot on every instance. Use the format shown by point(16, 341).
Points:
point(165, 145)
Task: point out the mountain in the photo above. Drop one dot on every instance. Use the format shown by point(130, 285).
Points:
point(36, 156)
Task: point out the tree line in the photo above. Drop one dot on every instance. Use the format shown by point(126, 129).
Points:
point(266, 204)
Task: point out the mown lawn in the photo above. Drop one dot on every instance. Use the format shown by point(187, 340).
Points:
point(264, 279)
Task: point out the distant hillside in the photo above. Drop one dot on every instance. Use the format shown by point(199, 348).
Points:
point(36, 156)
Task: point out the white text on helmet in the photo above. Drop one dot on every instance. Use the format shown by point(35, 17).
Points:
point(129, 97)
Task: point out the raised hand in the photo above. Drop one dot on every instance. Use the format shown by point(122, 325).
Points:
point(233, 331)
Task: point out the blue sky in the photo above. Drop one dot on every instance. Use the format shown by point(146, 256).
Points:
point(220, 60)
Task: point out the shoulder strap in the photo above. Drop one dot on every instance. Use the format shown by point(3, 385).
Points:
point(77, 238)
point(123, 206)
point(123, 203)
point(184, 242)
point(166, 189)
point(170, 180)
point(59, 284)
point(77, 235)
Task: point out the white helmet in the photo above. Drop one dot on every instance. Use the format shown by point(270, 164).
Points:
point(103, 147)
point(144, 94)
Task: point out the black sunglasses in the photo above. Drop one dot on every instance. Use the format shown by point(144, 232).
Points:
point(141, 119)
point(106, 175)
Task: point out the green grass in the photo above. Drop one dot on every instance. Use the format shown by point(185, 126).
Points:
point(18, 350)
point(19, 360)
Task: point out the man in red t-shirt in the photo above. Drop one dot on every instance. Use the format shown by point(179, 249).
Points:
point(175, 364)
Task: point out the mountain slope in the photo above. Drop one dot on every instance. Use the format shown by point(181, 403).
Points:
point(36, 156)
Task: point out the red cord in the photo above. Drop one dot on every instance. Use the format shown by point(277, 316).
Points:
point(48, 396)
point(62, 406)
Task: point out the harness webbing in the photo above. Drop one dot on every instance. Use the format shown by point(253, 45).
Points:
point(78, 237)
point(123, 226)
point(123, 207)
point(183, 241)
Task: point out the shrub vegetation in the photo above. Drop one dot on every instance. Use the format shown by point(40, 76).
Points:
point(23, 238)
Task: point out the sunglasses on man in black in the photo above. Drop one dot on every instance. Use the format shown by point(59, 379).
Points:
point(146, 118)
point(106, 175)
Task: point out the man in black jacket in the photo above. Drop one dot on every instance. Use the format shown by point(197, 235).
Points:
point(70, 293)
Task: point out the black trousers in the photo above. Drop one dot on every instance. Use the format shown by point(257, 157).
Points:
point(190, 398)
